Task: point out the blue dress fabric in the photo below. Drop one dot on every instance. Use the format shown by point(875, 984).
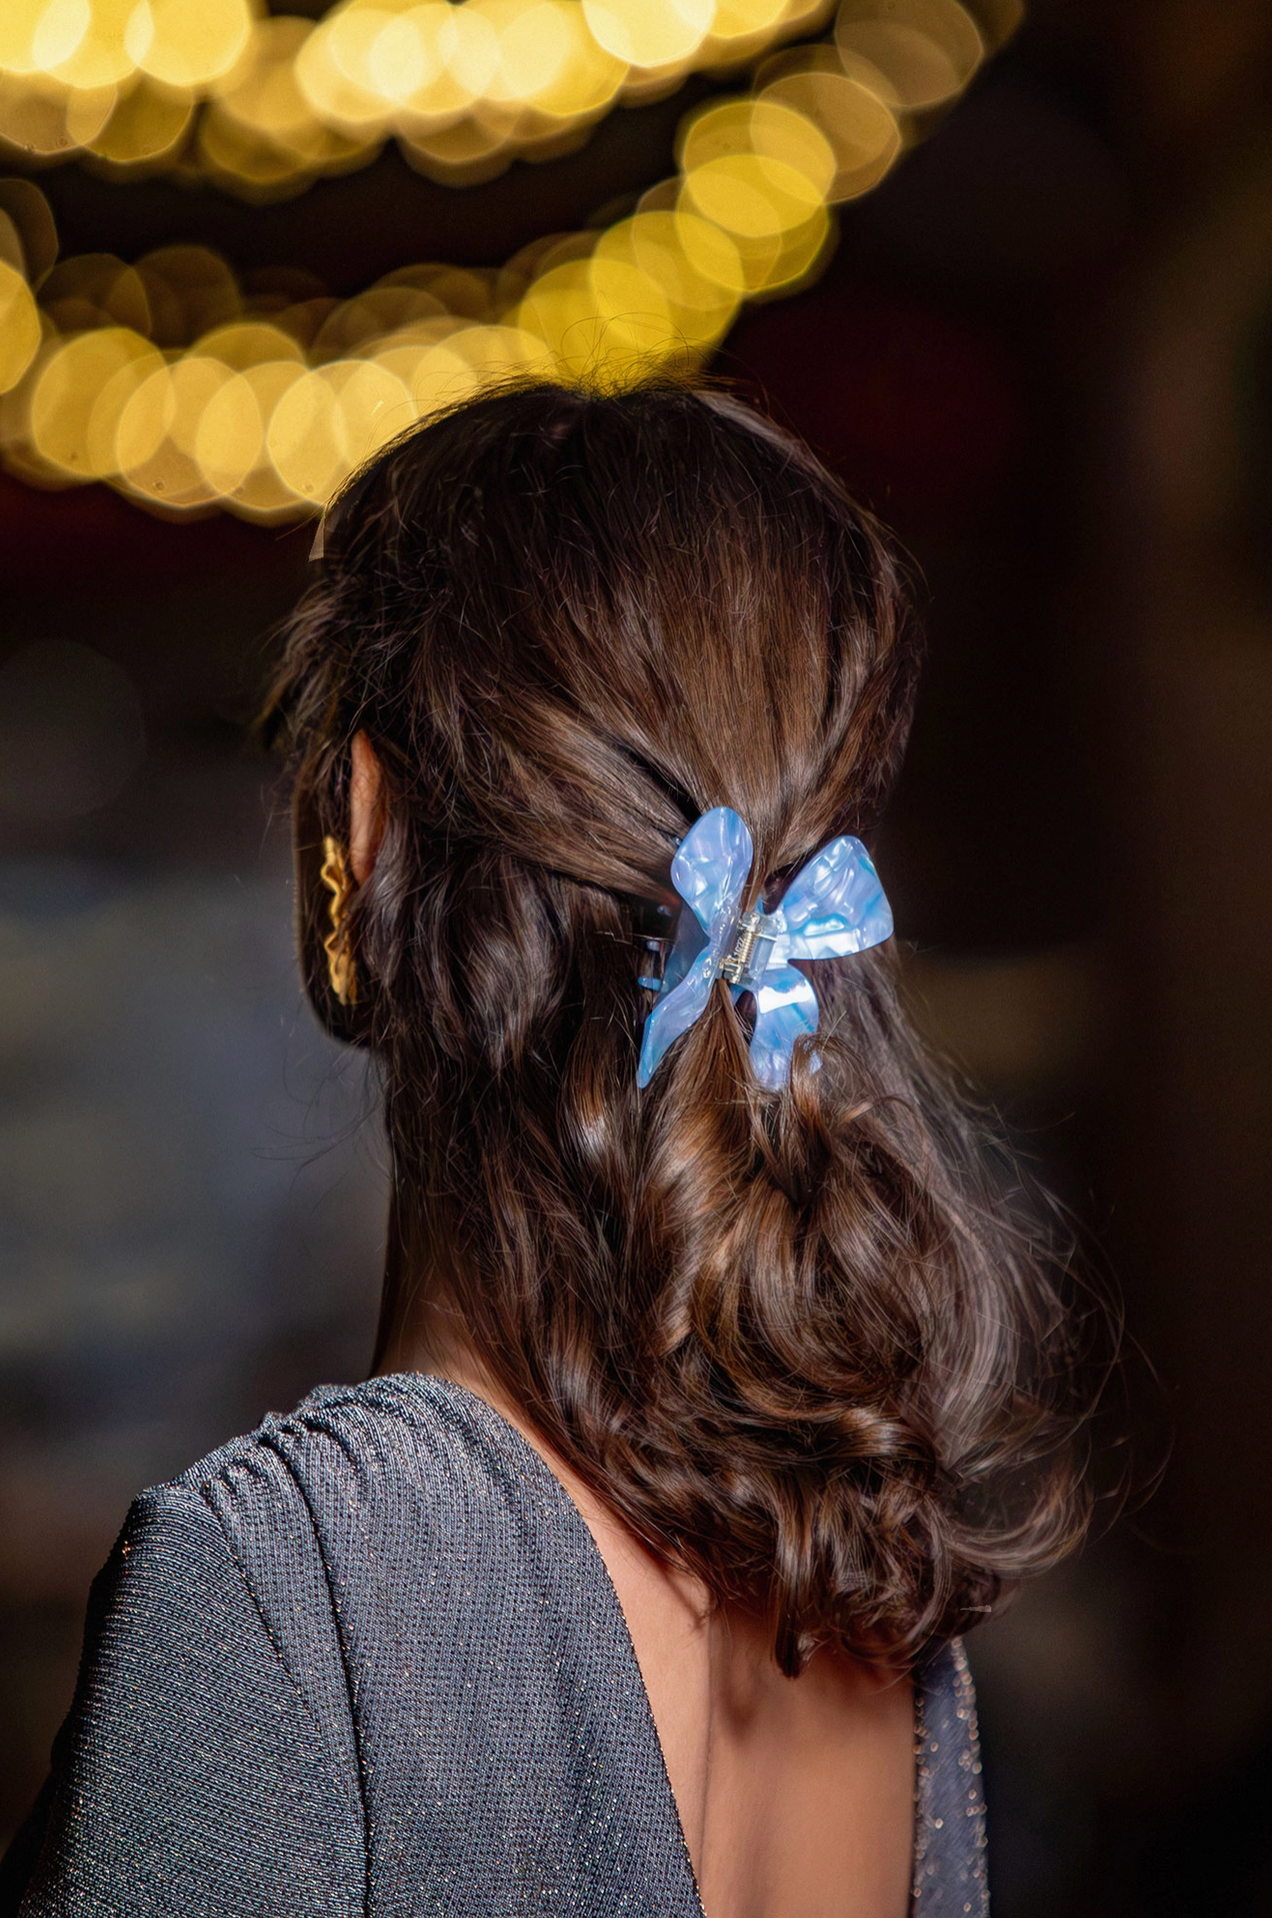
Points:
point(368, 1660)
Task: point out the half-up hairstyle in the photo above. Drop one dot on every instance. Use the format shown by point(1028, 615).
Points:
point(799, 1341)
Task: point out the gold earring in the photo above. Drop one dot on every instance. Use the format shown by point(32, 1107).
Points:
point(340, 967)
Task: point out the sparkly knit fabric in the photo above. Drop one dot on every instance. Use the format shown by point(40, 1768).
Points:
point(369, 1661)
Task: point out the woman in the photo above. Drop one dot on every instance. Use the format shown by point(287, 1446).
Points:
point(718, 1388)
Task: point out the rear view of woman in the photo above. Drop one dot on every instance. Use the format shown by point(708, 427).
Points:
point(718, 1388)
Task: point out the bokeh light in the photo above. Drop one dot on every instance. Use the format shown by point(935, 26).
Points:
point(19, 326)
point(264, 103)
point(188, 45)
point(912, 53)
point(147, 125)
point(66, 390)
point(650, 33)
point(166, 380)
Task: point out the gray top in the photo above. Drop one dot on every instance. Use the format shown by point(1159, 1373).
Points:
point(368, 1660)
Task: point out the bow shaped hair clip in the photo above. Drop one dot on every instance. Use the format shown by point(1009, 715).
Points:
point(833, 906)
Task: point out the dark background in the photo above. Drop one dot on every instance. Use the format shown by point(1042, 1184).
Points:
point(1043, 352)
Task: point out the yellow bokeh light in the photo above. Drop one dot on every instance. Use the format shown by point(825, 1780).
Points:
point(558, 310)
point(750, 196)
point(664, 247)
point(404, 55)
point(469, 45)
point(381, 312)
point(589, 77)
point(158, 430)
point(12, 251)
point(743, 19)
point(263, 166)
point(338, 48)
point(262, 497)
point(462, 362)
point(351, 38)
point(436, 376)
point(799, 256)
point(99, 56)
point(806, 16)
point(998, 19)
point(189, 43)
point(261, 133)
point(58, 30)
point(190, 289)
point(466, 85)
point(165, 380)
point(101, 432)
point(465, 153)
point(88, 111)
point(860, 131)
point(599, 317)
point(46, 120)
point(19, 20)
point(20, 330)
point(626, 295)
point(349, 34)
point(245, 343)
point(649, 33)
point(711, 253)
point(374, 407)
point(67, 389)
point(913, 53)
point(501, 352)
point(780, 132)
point(535, 48)
point(262, 90)
point(724, 127)
point(461, 290)
point(29, 217)
point(772, 126)
point(333, 419)
point(93, 288)
point(227, 443)
point(172, 397)
point(144, 127)
point(230, 443)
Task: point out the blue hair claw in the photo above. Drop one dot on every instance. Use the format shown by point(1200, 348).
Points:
point(833, 906)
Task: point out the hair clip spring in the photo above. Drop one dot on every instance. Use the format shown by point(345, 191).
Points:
point(743, 965)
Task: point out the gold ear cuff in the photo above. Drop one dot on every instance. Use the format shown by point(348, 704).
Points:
point(339, 883)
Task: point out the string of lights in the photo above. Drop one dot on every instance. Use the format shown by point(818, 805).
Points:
point(265, 104)
point(168, 380)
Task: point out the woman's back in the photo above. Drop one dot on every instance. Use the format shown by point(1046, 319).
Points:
point(795, 1797)
point(367, 1660)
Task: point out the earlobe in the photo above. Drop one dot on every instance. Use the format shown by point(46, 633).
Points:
point(366, 808)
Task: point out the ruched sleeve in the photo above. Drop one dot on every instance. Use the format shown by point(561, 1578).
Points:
point(193, 1775)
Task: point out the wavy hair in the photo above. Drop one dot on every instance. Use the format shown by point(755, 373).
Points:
point(803, 1342)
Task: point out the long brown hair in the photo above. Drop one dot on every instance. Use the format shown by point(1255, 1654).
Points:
point(802, 1342)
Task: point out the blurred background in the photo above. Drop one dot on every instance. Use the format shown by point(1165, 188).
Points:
point(1035, 333)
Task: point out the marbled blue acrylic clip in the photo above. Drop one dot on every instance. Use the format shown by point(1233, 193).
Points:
point(833, 906)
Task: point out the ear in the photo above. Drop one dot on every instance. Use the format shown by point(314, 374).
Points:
point(366, 808)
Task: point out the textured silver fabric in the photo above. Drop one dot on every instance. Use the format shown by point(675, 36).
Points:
point(950, 1878)
point(368, 1660)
